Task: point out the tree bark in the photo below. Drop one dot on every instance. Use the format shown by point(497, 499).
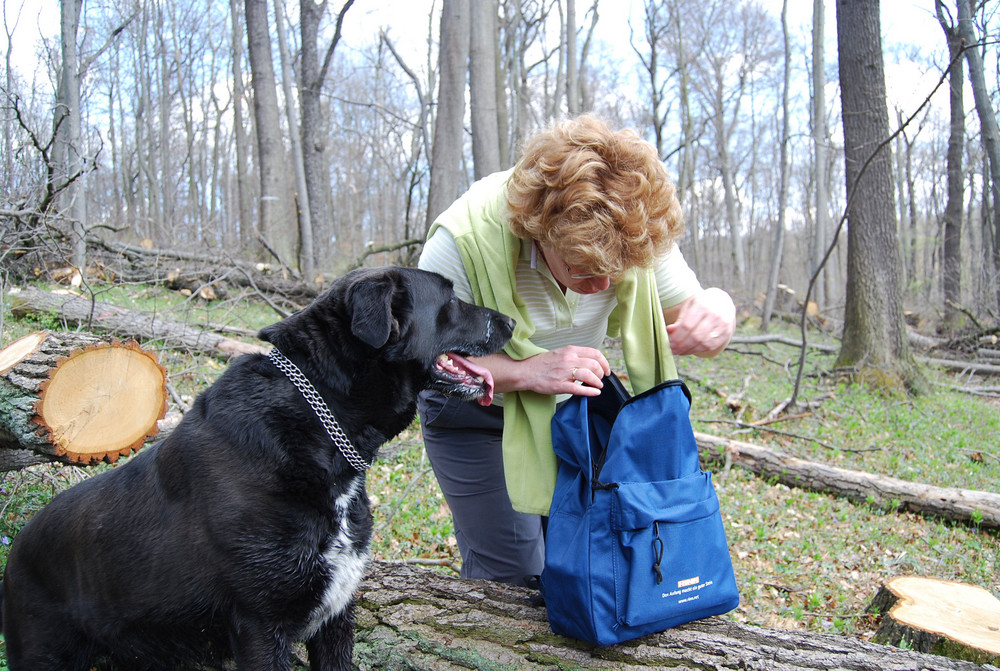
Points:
point(966, 506)
point(70, 129)
point(240, 140)
point(74, 397)
point(572, 77)
point(987, 116)
point(415, 618)
point(874, 340)
point(315, 129)
point(306, 255)
point(820, 142)
point(951, 267)
point(272, 205)
point(446, 151)
point(779, 233)
point(483, 88)
point(125, 323)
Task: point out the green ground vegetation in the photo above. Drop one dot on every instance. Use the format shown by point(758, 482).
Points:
point(803, 560)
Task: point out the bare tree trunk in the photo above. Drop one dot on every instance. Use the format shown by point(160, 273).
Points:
point(8, 121)
point(585, 93)
point(70, 130)
point(987, 116)
point(483, 88)
point(165, 179)
point(242, 142)
point(685, 172)
point(265, 103)
point(820, 152)
point(779, 233)
point(653, 30)
point(951, 266)
point(572, 80)
point(874, 339)
point(314, 141)
point(306, 254)
point(446, 151)
point(727, 172)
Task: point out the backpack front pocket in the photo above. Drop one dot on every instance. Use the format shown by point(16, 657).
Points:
point(672, 562)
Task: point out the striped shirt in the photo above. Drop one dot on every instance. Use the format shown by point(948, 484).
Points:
point(559, 319)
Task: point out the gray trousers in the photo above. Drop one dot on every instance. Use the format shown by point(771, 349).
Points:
point(463, 442)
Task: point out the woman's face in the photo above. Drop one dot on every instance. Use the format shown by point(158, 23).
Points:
point(578, 280)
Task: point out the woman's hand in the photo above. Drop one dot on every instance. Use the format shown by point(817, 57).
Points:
point(703, 324)
point(567, 370)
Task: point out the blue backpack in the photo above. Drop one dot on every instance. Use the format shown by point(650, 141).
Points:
point(635, 542)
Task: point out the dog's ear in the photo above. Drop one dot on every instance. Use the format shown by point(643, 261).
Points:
point(370, 302)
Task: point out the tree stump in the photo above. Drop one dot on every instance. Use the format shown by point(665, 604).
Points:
point(945, 618)
point(73, 397)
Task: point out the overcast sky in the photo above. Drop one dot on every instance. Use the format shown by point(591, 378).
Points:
point(904, 22)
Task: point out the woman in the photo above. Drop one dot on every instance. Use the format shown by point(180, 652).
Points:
point(576, 242)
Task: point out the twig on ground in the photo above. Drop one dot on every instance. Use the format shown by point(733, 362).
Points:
point(399, 499)
point(788, 434)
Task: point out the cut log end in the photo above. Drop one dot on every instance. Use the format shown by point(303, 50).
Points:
point(103, 402)
point(20, 349)
point(947, 618)
point(90, 400)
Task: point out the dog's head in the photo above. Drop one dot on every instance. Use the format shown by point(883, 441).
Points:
point(399, 320)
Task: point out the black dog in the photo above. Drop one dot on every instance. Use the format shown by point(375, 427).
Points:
point(247, 528)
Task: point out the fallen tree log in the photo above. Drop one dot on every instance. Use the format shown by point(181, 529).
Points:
point(76, 310)
point(75, 398)
point(964, 367)
point(967, 506)
point(413, 618)
point(939, 616)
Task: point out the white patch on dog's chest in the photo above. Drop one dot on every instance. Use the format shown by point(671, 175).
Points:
point(346, 565)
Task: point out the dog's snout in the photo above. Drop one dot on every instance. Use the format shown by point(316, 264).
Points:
point(507, 323)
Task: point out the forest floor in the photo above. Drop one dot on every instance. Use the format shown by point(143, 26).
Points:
point(803, 560)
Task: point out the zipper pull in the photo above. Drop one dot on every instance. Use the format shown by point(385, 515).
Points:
point(657, 552)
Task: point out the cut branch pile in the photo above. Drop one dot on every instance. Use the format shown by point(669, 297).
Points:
point(73, 397)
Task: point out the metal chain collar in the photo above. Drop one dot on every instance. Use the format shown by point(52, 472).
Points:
point(321, 409)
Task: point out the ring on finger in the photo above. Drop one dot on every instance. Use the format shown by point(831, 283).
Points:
point(572, 374)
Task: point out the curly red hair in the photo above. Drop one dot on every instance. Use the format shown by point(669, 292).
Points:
point(602, 198)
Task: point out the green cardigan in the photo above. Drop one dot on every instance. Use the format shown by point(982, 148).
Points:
point(478, 221)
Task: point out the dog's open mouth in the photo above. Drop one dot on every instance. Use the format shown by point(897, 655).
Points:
point(457, 376)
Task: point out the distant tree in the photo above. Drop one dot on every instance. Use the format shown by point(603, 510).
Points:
point(951, 266)
point(68, 130)
point(874, 341)
point(449, 135)
point(240, 124)
point(270, 155)
point(989, 127)
point(820, 141)
point(779, 228)
point(654, 32)
point(313, 75)
point(307, 254)
point(736, 41)
point(572, 74)
point(483, 94)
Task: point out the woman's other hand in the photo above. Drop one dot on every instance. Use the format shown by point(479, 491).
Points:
point(702, 325)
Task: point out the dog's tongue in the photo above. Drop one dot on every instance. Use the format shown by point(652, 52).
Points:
point(476, 371)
